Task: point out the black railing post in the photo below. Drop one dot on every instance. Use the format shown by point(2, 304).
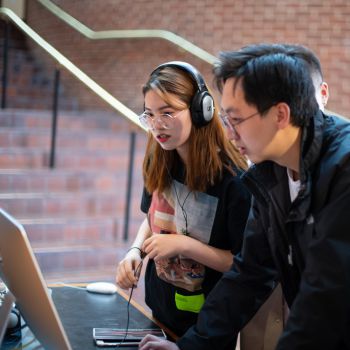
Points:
point(54, 118)
point(4, 61)
point(129, 184)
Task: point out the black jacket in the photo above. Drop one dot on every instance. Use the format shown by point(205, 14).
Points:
point(305, 245)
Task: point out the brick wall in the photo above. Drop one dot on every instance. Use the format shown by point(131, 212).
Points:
point(121, 66)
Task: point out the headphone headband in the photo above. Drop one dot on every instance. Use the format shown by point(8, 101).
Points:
point(202, 104)
point(188, 68)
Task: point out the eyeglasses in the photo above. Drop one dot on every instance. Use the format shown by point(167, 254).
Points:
point(231, 121)
point(164, 120)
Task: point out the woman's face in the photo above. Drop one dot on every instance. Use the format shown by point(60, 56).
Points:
point(170, 132)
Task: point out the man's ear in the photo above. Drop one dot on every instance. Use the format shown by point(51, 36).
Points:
point(282, 115)
point(324, 93)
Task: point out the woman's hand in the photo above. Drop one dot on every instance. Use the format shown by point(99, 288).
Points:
point(128, 269)
point(155, 343)
point(160, 246)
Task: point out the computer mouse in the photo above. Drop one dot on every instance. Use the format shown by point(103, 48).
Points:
point(101, 288)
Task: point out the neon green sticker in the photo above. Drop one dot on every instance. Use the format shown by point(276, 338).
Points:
point(191, 303)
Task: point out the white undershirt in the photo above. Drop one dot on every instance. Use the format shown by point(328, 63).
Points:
point(294, 185)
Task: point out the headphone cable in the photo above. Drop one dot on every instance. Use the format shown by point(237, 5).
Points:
point(182, 206)
point(136, 273)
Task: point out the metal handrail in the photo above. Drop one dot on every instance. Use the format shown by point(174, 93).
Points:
point(128, 34)
point(72, 68)
point(91, 84)
point(135, 33)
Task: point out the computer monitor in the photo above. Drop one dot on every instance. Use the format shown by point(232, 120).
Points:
point(20, 271)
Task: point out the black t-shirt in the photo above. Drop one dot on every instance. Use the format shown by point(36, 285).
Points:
point(216, 217)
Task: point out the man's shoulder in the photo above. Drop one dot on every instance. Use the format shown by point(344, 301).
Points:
point(336, 140)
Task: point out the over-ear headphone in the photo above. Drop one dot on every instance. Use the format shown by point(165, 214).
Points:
point(202, 104)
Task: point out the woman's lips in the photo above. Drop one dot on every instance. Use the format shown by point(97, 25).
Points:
point(242, 150)
point(163, 138)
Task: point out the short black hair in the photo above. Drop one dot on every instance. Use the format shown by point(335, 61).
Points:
point(305, 54)
point(273, 73)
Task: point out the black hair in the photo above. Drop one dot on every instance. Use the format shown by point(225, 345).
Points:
point(272, 73)
point(307, 55)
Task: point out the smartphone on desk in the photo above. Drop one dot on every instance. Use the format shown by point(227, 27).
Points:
point(116, 336)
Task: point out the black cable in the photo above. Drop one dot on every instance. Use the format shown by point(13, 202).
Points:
point(136, 273)
point(182, 206)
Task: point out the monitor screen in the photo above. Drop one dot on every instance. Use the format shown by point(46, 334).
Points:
point(20, 271)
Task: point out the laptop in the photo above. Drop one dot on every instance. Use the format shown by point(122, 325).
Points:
point(20, 272)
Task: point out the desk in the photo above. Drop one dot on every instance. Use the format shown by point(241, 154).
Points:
point(81, 311)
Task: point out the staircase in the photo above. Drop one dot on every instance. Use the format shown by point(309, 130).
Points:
point(30, 83)
point(73, 214)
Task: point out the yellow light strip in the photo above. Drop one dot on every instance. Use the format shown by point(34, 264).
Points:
point(127, 34)
point(78, 73)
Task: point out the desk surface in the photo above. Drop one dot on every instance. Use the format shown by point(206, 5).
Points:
point(81, 311)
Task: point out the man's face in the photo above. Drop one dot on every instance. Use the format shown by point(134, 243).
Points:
point(321, 93)
point(254, 136)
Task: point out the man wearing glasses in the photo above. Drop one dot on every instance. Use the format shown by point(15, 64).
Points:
point(298, 228)
point(266, 326)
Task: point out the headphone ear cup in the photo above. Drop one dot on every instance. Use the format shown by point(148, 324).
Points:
point(202, 104)
point(202, 108)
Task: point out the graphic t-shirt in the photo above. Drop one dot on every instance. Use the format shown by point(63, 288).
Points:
point(216, 217)
point(180, 211)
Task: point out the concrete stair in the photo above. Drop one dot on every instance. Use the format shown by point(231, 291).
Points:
point(74, 213)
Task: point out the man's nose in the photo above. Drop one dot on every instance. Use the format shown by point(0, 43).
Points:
point(233, 135)
point(230, 133)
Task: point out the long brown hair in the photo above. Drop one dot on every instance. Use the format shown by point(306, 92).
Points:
point(210, 151)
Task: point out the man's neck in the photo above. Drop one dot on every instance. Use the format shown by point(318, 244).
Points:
point(294, 175)
point(291, 157)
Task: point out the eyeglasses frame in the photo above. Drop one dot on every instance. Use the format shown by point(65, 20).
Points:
point(168, 117)
point(232, 125)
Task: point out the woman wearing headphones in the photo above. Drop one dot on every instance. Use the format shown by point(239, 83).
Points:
point(195, 203)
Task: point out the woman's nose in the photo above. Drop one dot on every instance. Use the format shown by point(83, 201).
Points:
point(158, 123)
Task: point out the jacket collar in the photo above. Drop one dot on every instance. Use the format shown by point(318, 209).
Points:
point(262, 178)
point(312, 139)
